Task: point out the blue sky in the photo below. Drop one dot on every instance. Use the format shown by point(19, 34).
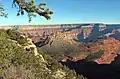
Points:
point(69, 11)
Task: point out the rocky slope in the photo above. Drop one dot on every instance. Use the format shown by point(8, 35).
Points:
point(20, 59)
point(110, 47)
point(66, 48)
point(63, 45)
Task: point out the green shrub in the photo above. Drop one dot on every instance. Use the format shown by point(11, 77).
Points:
point(18, 63)
point(94, 56)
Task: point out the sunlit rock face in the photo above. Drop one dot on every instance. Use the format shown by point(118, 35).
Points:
point(35, 31)
point(71, 29)
point(111, 48)
point(68, 32)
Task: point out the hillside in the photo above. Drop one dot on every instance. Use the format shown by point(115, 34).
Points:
point(20, 59)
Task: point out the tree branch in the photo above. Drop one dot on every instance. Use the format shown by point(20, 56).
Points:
point(32, 9)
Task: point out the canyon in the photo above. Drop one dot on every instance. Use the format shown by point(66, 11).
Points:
point(88, 49)
point(78, 36)
point(72, 30)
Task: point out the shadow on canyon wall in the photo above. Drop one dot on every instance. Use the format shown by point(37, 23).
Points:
point(92, 70)
point(66, 29)
point(95, 33)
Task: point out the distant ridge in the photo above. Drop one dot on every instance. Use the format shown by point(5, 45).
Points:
point(53, 24)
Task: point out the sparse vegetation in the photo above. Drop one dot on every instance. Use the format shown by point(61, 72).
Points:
point(58, 49)
point(94, 56)
point(19, 63)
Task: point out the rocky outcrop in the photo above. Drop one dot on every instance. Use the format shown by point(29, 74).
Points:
point(111, 48)
point(80, 50)
point(24, 61)
point(35, 31)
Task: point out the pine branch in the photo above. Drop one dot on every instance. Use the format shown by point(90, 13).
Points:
point(32, 9)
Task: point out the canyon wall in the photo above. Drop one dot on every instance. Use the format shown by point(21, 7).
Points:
point(72, 30)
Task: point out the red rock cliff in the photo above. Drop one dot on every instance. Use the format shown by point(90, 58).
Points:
point(111, 48)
